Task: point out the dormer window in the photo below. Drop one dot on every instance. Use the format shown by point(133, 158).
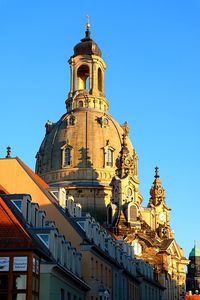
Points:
point(44, 238)
point(66, 155)
point(72, 120)
point(18, 204)
point(108, 155)
point(109, 158)
point(80, 104)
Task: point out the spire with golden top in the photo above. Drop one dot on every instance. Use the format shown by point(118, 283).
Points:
point(157, 192)
point(87, 33)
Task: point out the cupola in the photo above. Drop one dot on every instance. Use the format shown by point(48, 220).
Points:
point(87, 76)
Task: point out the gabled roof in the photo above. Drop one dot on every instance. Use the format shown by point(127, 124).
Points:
point(170, 246)
point(166, 243)
point(33, 175)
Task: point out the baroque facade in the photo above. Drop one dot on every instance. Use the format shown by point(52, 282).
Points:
point(89, 154)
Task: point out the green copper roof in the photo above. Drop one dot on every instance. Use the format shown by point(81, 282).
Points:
point(195, 251)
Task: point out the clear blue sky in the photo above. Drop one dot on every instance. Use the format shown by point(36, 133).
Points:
point(152, 52)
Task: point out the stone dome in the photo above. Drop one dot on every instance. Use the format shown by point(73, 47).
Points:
point(88, 133)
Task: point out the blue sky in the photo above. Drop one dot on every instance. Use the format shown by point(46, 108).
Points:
point(151, 49)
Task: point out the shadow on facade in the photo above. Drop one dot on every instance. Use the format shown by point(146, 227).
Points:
point(84, 185)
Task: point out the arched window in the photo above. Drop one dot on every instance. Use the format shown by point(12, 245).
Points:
point(83, 73)
point(72, 120)
point(66, 155)
point(80, 104)
point(109, 157)
point(100, 83)
point(133, 213)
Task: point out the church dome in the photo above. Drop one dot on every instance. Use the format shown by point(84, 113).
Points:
point(88, 134)
point(79, 152)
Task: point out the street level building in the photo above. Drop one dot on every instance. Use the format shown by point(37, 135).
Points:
point(36, 262)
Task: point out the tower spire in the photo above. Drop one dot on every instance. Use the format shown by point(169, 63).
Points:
point(157, 192)
point(156, 172)
point(87, 32)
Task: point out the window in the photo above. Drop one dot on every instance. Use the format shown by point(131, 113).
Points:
point(133, 213)
point(82, 225)
point(72, 120)
point(101, 272)
point(83, 77)
point(100, 81)
point(19, 282)
point(3, 282)
point(27, 210)
point(36, 216)
point(68, 296)
point(18, 204)
point(43, 219)
point(44, 238)
point(67, 156)
point(80, 104)
point(62, 294)
point(109, 157)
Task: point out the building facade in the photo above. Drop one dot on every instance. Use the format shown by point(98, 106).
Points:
point(42, 264)
point(108, 265)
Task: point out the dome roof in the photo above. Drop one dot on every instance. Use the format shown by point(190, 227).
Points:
point(88, 136)
point(87, 46)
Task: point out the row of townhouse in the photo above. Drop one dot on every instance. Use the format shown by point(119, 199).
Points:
point(54, 272)
point(129, 278)
point(106, 267)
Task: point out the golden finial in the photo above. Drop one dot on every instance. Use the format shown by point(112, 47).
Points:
point(88, 23)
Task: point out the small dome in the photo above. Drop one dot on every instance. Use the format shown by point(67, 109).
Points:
point(87, 46)
point(194, 252)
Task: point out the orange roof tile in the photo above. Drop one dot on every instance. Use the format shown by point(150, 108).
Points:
point(12, 233)
point(34, 175)
point(3, 190)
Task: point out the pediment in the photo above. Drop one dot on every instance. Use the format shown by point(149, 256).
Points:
point(171, 247)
